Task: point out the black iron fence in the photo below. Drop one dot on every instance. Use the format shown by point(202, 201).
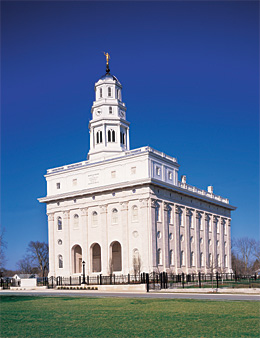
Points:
point(153, 281)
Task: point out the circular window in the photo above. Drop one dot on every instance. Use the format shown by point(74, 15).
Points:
point(159, 235)
point(171, 236)
point(182, 238)
point(201, 240)
point(192, 239)
point(59, 241)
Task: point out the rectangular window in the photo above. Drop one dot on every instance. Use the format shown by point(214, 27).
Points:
point(133, 170)
point(113, 174)
point(74, 181)
point(169, 175)
point(58, 185)
point(200, 224)
point(158, 171)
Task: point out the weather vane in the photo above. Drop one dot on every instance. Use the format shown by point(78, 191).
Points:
point(107, 58)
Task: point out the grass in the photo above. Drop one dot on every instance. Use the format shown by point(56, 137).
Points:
point(23, 316)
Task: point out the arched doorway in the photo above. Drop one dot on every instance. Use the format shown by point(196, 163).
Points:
point(116, 256)
point(96, 258)
point(76, 259)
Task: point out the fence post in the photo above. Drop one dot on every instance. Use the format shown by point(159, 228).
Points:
point(52, 281)
point(129, 278)
point(87, 280)
point(199, 280)
point(255, 276)
point(182, 275)
point(217, 279)
point(100, 280)
point(161, 280)
point(166, 280)
point(147, 282)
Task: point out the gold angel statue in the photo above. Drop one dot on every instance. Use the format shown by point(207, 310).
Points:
point(107, 57)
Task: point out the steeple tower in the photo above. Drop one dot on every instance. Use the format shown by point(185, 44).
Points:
point(109, 130)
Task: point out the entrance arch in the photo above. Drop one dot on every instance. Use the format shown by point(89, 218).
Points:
point(96, 257)
point(76, 252)
point(116, 256)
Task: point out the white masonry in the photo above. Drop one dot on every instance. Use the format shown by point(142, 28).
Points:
point(125, 210)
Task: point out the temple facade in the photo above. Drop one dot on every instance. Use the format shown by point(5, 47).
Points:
point(126, 211)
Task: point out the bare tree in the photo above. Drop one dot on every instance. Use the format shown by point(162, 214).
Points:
point(25, 265)
point(256, 250)
point(137, 264)
point(244, 247)
point(3, 246)
point(38, 252)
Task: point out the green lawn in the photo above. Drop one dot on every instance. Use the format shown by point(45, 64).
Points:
point(119, 317)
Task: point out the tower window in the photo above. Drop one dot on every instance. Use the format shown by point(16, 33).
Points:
point(99, 136)
point(58, 185)
point(118, 94)
point(122, 137)
point(110, 110)
point(109, 91)
point(100, 92)
point(111, 136)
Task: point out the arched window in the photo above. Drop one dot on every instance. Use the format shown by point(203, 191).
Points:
point(159, 254)
point(113, 136)
point(192, 259)
point(117, 93)
point(109, 136)
point(225, 260)
point(182, 258)
point(110, 110)
point(97, 137)
point(134, 213)
point(94, 218)
point(171, 257)
point(109, 91)
point(210, 260)
point(114, 216)
point(59, 223)
point(60, 261)
point(100, 92)
point(76, 255)
point(122, 137)
point(201, 259)
point(76, 220)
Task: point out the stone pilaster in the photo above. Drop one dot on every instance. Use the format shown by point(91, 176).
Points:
point(214, 239)
point(197, 240)
point(154, 206)
point(105, 249)
point(166, 210)
point(51, 244)
point(177, 252)
point(221, 243)
point(206, 258)
point(146, 250)
point(229, 245)
point(187, 239)
point(67, 263)
point(126, 254)
point(85, 247)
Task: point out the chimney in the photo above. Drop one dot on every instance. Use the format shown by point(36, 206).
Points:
point(210, 189)
point(183, 179)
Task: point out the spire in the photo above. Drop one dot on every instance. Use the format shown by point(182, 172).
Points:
point(107, 58)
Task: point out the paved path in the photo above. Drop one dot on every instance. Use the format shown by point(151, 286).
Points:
point(68, 293)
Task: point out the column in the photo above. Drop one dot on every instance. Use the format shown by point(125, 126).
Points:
point(197, 240)
point(221, 244)
point(166, 210)
point(187, 240)
point(67, 264)
point(177, 252)
point(51, 245)
point(154, 206)
point(214, 240)
point(85, 245)
point(126, 255)
point(205, 222)
point(105, 249)
point(229, 245)
point(146, 251)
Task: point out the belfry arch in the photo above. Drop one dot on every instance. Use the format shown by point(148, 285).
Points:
point(76, 255)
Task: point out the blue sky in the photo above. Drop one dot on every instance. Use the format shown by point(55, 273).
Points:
point(190, 76)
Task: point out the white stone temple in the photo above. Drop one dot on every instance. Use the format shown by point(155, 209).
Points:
point(125, 210)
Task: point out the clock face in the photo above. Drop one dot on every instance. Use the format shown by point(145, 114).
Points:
point(98, 112)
